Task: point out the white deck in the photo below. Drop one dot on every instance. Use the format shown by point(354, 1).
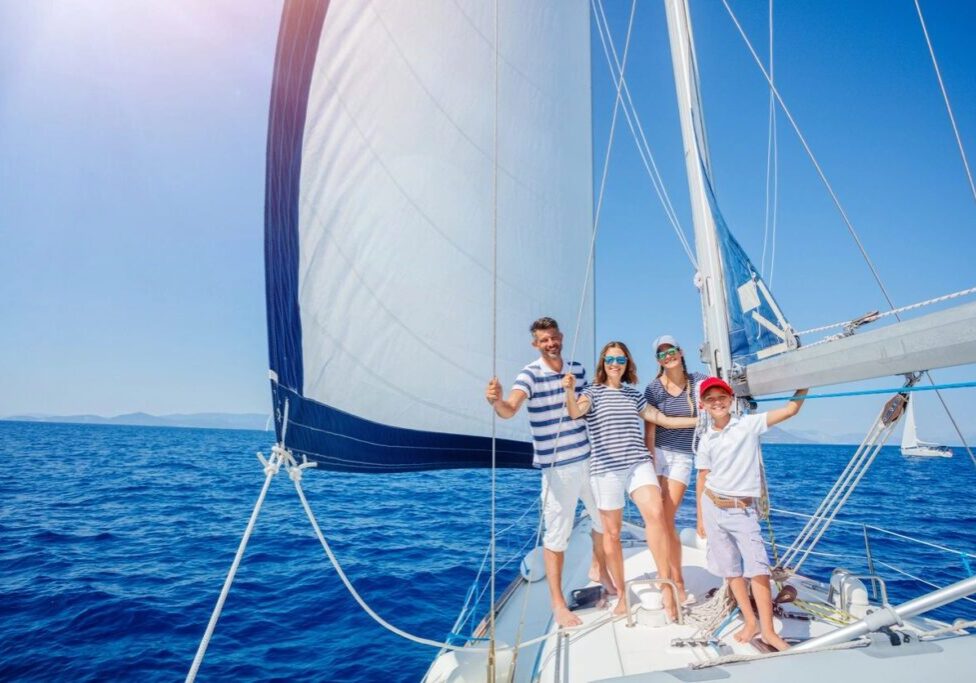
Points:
point(606, 649)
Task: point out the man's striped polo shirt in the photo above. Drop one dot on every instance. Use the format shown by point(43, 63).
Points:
point(557, 439)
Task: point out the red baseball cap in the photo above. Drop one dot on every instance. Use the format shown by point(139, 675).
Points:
point(715, 383)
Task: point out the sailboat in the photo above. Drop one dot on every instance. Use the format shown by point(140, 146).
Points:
point(417, 220)
point(910, 445)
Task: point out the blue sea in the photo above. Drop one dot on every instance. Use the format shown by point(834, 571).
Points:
point(115, 541)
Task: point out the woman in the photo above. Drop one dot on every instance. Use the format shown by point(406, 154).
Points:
point(673, 392)
point(619, 463)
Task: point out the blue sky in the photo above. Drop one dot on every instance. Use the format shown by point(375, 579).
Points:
point(132, 137)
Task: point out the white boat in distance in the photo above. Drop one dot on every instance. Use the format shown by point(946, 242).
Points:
point(406, 198)
point(910, 445)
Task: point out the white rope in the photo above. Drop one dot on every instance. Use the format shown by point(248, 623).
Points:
point(945, 96)
point(895, 311)
point(637, 131)
point(494, 357)
point(957, 625)
point(295, 473)
point(730, 659)
point(271, 467)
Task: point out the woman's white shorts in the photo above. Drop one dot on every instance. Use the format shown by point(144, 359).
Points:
point(673, 464)
point(610, 489)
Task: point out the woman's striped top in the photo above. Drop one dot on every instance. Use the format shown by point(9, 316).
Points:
point(615, 426)
point(674, 406)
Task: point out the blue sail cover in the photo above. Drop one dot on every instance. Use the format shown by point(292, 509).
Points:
point(380, 223)
point(748, 299)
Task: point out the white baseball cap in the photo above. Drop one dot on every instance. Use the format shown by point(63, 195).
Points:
point(665, 340)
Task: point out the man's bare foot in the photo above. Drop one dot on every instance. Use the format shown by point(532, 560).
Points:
point(565, 618)
point(773, 640)
point(621, 608)
point(747, 633)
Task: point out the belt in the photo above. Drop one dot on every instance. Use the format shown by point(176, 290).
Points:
point(726, 502)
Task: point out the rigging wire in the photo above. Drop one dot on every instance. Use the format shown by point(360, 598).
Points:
point(772, 169)
point(813, 158)
point(637, 130)
point(945, 96)
point(895, 311)
point(843, 213)
point(494, 356)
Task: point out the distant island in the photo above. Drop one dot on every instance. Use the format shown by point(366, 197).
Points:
point(255, 421)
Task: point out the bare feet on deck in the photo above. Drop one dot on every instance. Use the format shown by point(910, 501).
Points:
point(773, 640)
point(565, 618)
point(667, 599)
point(621, 608)
point(747, 633)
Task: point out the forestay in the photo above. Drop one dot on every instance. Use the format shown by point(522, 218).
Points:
point(380, 222)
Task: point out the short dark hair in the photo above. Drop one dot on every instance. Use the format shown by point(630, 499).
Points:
point(546, 323)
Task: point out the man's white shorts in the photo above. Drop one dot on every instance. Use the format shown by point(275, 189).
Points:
point(610, 489)
point(562, 488)
point(735, 546)
point(673, 464)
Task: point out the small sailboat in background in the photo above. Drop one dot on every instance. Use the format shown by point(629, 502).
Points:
point(910, 445)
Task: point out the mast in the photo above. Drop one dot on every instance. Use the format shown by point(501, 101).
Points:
point(716, 350)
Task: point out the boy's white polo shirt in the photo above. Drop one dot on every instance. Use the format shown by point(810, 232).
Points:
point(731, 455)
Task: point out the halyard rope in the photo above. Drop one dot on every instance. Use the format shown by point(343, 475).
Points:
point(494, 356)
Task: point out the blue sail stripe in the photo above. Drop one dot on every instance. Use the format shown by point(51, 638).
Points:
point(344, 442)
point(298, 39)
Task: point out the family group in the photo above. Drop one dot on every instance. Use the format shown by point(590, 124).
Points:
point(604, 440)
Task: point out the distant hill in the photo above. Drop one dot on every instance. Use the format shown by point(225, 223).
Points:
point(255, 421)
point(777, 435)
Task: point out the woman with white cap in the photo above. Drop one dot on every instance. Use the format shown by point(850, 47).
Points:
point(674, 393)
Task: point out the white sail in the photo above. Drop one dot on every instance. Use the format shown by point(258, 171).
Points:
point(910, 444)
point(909, 438)
point(388, 263)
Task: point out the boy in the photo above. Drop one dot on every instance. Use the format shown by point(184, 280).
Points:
point(728, 488)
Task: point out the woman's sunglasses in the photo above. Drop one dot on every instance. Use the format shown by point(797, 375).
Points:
point(670, 353)
point(619, 360)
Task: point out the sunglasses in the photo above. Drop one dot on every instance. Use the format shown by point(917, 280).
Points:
point(670, 353)
point(619, 360)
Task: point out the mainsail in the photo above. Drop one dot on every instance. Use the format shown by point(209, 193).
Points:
point(381, 223)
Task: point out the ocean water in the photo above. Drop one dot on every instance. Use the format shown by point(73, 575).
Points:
point(115, 541)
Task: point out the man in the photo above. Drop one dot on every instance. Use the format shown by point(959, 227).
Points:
point(729, 484)
point(561, 451)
